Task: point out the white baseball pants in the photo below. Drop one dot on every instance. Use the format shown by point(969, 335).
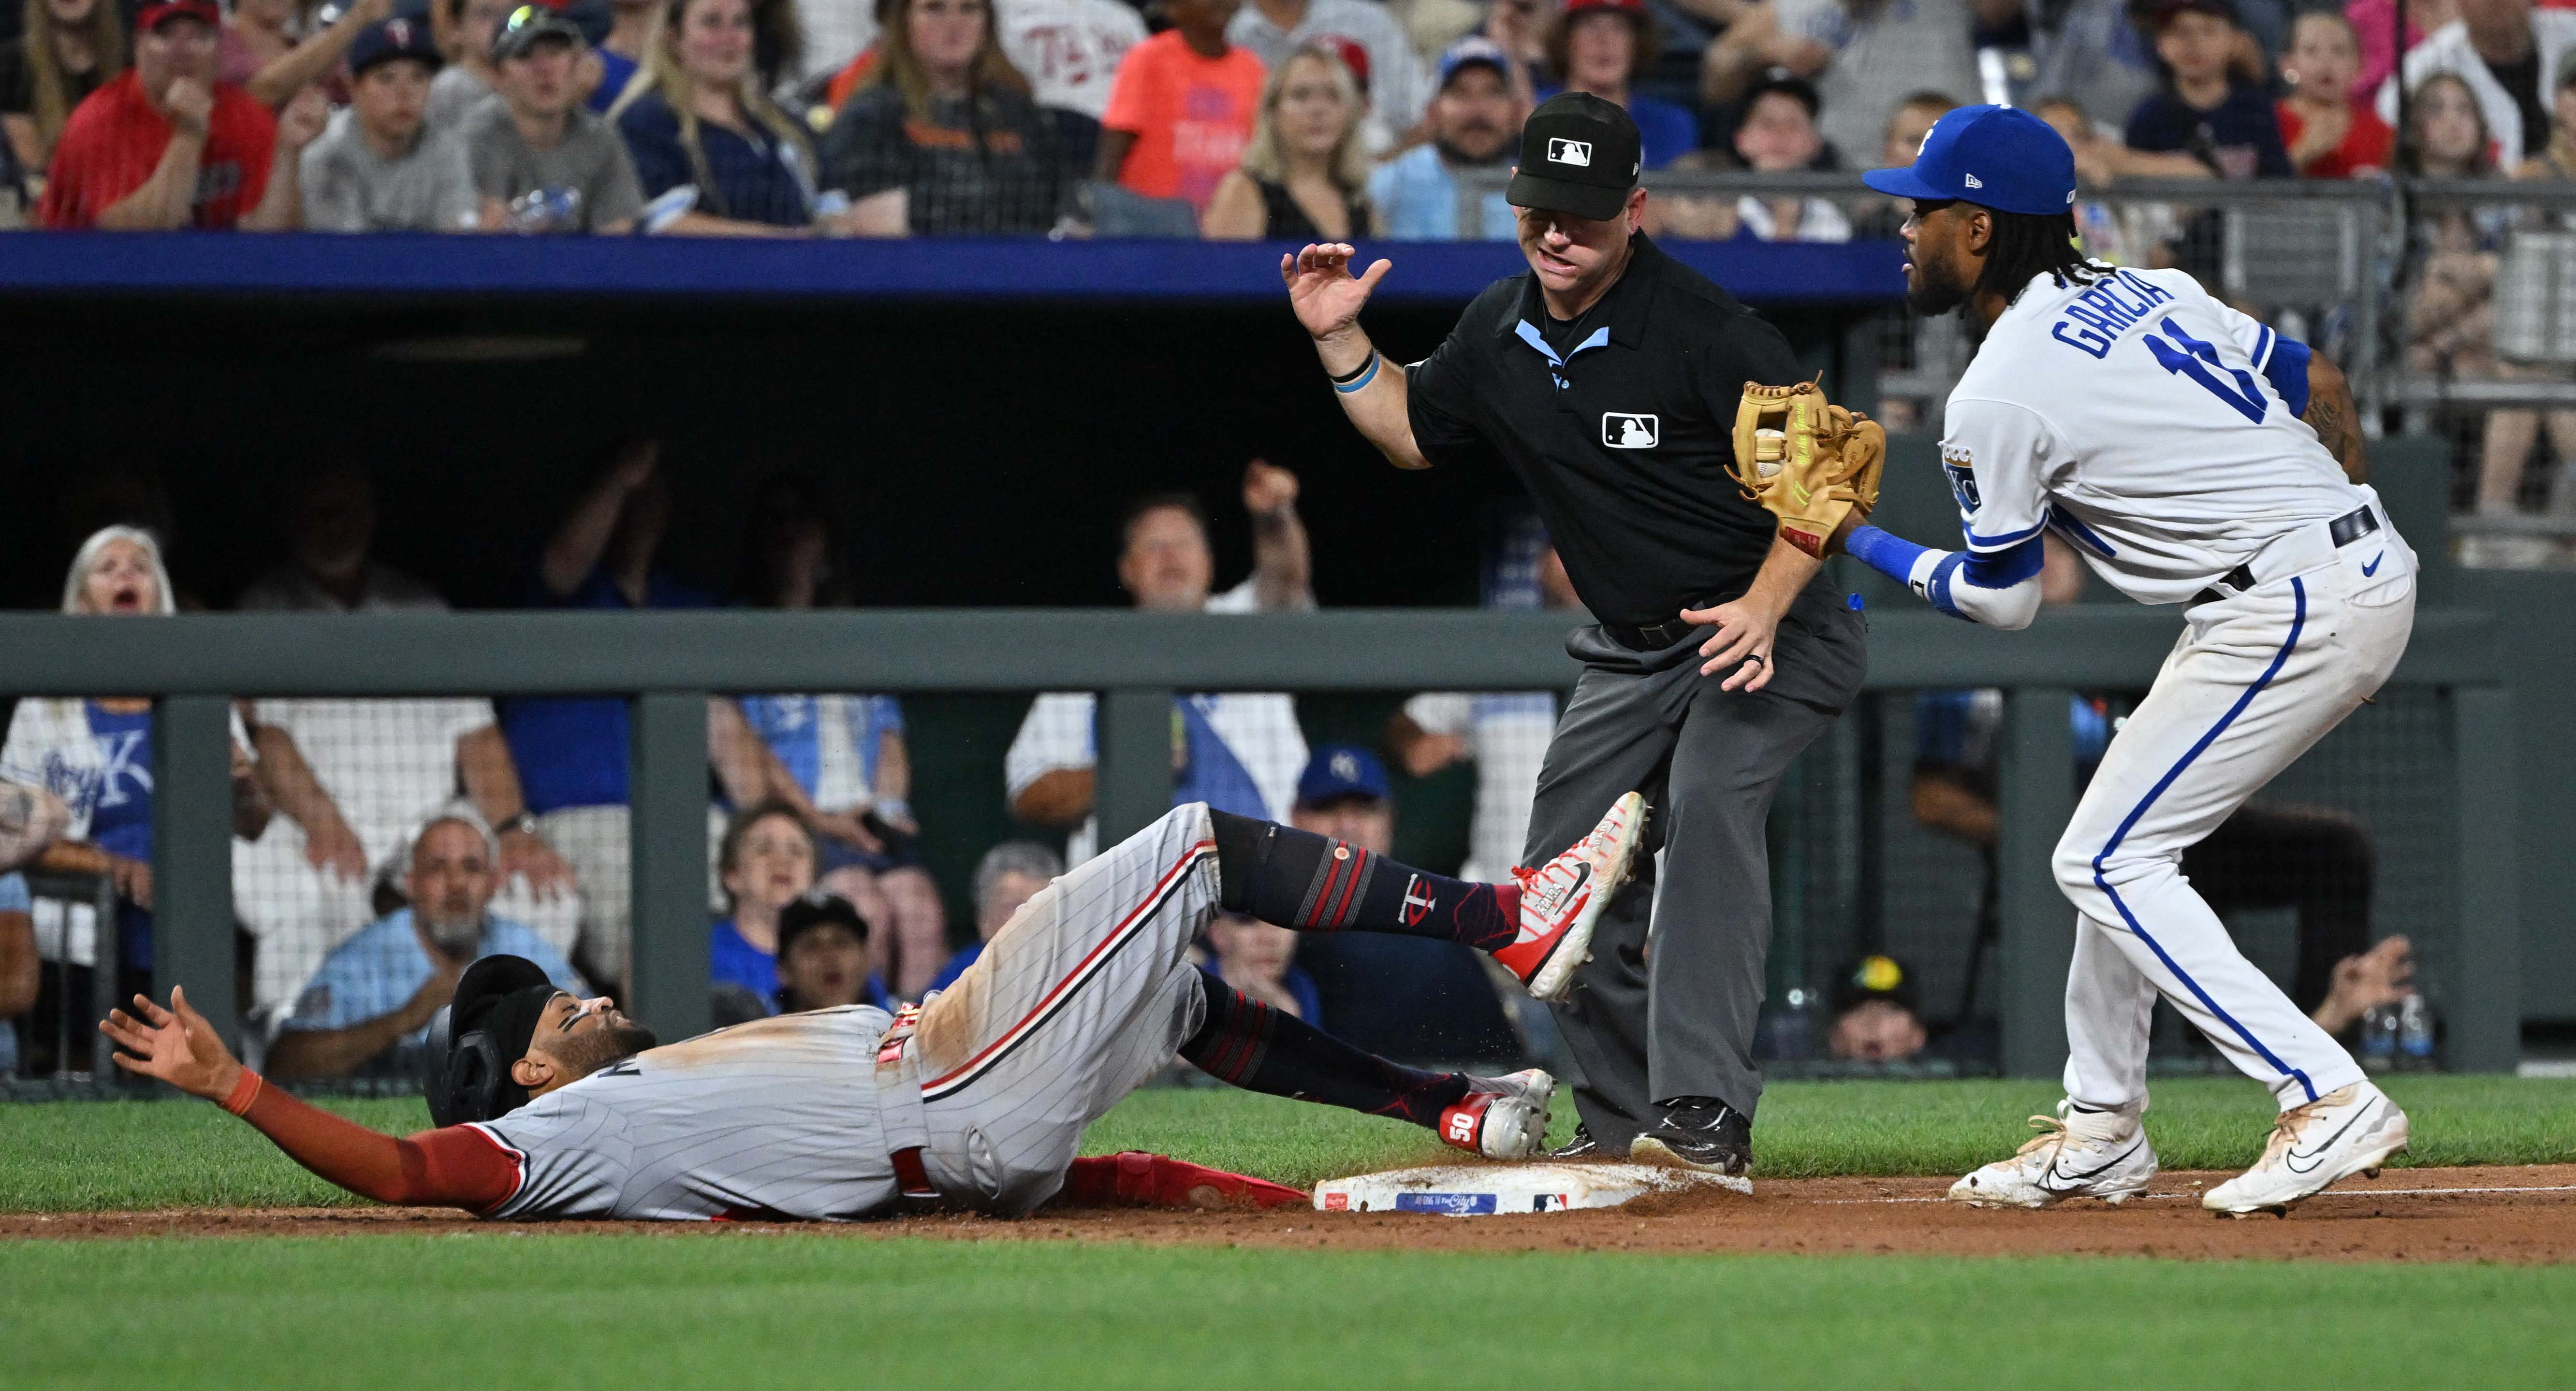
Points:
point(2253, 683)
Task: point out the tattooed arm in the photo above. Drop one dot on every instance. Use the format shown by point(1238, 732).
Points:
point(2331, 414)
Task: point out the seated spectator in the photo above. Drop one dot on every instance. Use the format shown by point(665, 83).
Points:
point(1603, 47)
point(1009, 875)
point(1863, 57)
point(2096, 53)
point(468, 28)
point(1506, 733)
point(2330, 135)
point(1069, 50)
point(2374, 21)
point(571, 752)
point(368, 1008)
point(542, 161)
point(2125, 233)
point(1908, 124)
point(21, 973)
point(330, 532)
point(2450, 318)
point(696, 115)
point(945, 139)
point(1398, 997)
point(164, 146)
point(1183, 106)
point(631, 25)
point(767, 863)
point(1474, 123)
point(355, 778)
point(1371, 43)
point(1305, 174)
point(259, 52)
point(1876, 1015)
point(840, 760)
point(1775, 133)
point(68, 49)
point(378, 167)
point(2510, 434)
point(1261, 961)
point(2509, 55)
point(2203, 110)
point(823, 956)
point(96, 755)
point(1238, 751)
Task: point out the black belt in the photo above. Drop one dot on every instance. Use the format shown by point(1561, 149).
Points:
point(2345, 530)
point(1654, 638)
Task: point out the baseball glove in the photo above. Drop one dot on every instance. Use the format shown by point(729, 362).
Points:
point(1808, 461)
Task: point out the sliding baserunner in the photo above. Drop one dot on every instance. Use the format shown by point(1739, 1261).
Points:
point(2191, 456)
point(553, 1107)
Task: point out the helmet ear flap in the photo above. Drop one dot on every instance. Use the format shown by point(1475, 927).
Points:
point(464, 1078)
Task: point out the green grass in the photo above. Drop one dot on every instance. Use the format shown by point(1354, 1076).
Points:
point(86, 1156)
point(573, 1311)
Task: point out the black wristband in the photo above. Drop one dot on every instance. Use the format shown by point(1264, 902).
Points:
point(1354, 374)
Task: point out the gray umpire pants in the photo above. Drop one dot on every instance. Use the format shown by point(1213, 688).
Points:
point(1647, 1027)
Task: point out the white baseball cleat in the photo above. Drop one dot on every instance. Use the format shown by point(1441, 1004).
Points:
point(1501, 1117)
point(2084, 1154)
point(1562, 899)
point(2352, 1130)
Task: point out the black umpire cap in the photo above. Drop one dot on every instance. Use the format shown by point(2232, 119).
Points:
point(1580, 155)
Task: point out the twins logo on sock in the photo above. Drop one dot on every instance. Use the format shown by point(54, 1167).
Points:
point(1416, 909)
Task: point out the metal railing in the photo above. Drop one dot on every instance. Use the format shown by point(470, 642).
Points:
point(666, 664)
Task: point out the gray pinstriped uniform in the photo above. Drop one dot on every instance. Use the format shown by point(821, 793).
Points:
point(1084, 995)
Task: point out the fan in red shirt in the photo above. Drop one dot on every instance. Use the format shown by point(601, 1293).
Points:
point(165, 146)
point(2329, 135)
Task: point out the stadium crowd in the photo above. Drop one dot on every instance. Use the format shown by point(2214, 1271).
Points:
point(1282, 119)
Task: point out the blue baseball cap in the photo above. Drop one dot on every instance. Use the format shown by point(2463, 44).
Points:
point(1993, 156)
point(1341, 770)
point(1472, 51)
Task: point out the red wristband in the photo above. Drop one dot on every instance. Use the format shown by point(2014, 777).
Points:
point(245, 1092)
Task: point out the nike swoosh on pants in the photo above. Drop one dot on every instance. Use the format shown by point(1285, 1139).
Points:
point(2373, 567)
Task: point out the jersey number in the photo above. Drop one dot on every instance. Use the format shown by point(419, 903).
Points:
point(2195, 359)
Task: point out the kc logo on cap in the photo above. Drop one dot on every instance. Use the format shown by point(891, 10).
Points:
point(1575, 152)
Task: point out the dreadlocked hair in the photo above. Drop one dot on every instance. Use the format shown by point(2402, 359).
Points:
point(2028, 245)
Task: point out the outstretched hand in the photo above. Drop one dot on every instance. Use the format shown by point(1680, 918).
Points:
point(175, 1045)
point(1322, 289)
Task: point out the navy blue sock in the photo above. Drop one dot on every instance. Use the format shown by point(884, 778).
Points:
point(1261, 1049)
point(1310, 883)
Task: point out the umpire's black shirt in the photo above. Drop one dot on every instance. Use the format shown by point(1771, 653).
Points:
point(1622, 431)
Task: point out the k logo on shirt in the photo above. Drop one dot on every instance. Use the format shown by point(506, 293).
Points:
point(1629, 431)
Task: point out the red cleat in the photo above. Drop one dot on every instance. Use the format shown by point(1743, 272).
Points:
point(1562, 899)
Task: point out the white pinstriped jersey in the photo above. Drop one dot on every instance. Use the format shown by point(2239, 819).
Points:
point(777, 1116)
point(1083, 995)
point(2136, 419)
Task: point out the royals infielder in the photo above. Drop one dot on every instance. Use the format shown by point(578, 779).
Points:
point(567, 1110)
point(2190, 455)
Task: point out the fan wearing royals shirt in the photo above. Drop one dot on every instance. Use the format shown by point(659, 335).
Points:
point(165, 146)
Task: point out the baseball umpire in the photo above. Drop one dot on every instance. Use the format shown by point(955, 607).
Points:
point(553, 1107)
point(1608, 377)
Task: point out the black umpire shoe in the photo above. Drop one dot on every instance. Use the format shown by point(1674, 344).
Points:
point(1701, 1133)
point(1582, 1146)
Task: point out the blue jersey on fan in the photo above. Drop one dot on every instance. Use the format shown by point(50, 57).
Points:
point(795, 729)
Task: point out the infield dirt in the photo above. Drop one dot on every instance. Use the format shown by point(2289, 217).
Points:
point(2522, 1215)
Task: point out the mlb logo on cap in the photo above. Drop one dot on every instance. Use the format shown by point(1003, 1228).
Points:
point(1575, 152)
